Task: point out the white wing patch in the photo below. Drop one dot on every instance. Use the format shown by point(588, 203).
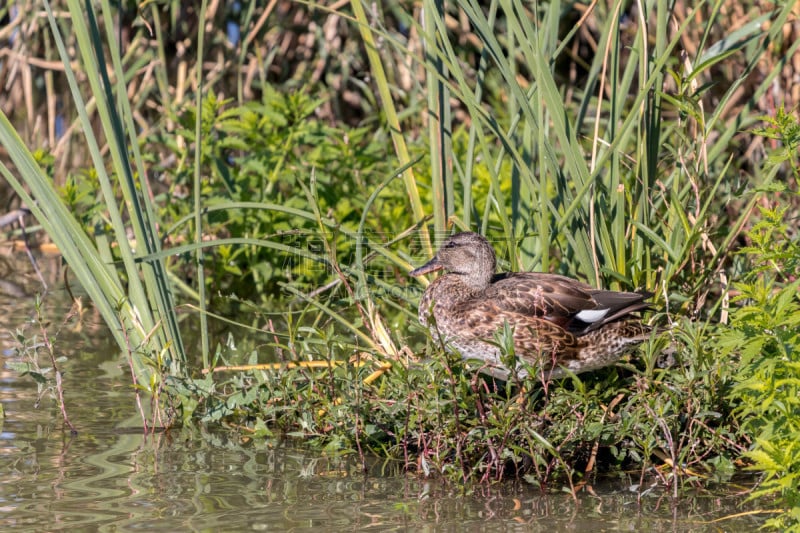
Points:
point(590, 316)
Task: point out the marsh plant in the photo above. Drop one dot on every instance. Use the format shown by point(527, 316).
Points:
point(765, 338)
point(35, 356)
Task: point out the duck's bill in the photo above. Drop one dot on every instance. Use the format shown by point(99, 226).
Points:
point(431, 266)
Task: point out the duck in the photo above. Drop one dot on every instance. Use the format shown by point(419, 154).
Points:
point(548, 323)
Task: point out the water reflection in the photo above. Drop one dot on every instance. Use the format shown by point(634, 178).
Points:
point(111, 477)
point(196, 480)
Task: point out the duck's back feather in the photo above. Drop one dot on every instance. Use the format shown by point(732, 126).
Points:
point(563, 301)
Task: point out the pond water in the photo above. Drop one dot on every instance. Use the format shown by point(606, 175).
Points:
point(109, 476)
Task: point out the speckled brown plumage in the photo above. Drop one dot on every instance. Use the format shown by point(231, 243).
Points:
point(556, 321)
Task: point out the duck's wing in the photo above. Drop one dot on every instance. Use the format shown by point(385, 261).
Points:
point(568, 303)
point(541, 295)
point(619, 305)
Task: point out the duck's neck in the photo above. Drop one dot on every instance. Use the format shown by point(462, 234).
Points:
point(444, 294)
point(477, 280)
point(463, 286)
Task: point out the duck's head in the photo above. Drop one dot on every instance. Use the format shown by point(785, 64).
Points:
point(466, 255)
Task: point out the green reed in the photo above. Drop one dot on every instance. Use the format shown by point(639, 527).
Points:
point(135, 300)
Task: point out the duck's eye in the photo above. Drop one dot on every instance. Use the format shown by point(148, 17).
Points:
point(449, 244)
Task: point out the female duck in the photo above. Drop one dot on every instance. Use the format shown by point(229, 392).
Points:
point(557, 322)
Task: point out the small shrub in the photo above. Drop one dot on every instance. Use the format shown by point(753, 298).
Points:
point(765, 334)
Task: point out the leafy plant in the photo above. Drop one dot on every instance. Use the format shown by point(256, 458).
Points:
point(765, 334)
point(262, 158)
point(28, 351)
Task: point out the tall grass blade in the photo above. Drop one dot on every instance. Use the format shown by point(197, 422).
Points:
point(198, 185)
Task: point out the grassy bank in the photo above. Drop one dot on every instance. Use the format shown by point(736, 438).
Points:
point(300, 170)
